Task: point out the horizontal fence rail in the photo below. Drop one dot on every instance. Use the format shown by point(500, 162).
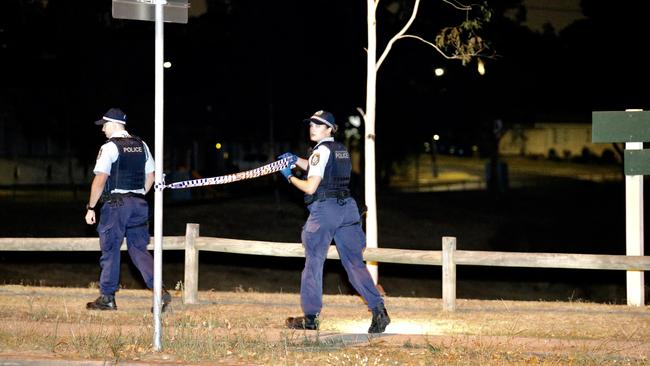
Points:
point(385, 255)
point(75, 244)
point(448, 258)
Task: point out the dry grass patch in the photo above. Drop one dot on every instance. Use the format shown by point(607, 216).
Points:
point(248, 328)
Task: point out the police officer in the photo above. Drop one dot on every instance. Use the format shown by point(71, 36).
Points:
point(124, 173)
point(333, 214)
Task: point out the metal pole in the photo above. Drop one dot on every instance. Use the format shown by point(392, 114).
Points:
point(158, 198)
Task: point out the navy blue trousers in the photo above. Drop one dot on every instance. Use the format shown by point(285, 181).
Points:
point(339, 220)
point(128, 218)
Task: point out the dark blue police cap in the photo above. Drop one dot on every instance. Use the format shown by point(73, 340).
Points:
point(113, 115)
point(323, 118)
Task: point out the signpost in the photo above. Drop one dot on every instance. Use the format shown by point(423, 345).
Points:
point(633, 128)
point(160, 11)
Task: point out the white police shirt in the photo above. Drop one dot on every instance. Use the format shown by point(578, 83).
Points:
point(318, 159)
point(108, 154)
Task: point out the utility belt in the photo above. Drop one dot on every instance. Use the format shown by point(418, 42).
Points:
point(119, 197)
point(322, 196)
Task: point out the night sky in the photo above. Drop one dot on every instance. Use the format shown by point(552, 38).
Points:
point(244, 66)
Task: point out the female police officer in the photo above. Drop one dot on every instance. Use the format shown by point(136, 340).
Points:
point(124, 173)
point(333, 214)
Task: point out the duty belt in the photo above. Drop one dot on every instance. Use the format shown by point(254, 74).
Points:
point(322, 196)
point(117, 197)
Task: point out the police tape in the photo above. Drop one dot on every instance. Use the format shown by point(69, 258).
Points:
point(273, 167)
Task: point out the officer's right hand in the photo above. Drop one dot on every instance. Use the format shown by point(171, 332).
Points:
point(287, 173)
point(292, 158)
point(90, 217)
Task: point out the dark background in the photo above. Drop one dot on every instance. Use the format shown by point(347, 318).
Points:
point(246, 68)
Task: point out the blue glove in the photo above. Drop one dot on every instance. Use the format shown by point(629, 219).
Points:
point(292, 158)
point(287, 173)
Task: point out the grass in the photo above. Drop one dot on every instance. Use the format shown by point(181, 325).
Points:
point(247, 327)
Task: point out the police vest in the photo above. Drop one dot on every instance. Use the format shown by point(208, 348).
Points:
point(127, 172)
point(337, 171)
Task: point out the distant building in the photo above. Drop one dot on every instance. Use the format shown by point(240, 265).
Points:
point(553, 140)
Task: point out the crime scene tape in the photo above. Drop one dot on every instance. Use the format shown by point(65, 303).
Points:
point(273, 167)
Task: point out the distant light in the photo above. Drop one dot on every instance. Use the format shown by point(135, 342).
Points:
point(218, 146)
point(480, 67)
point(393, 7)
point(167, 64)
point(355, 121)
point(474, 148)
point(439, 71)
point(226, 155)
point(436, 137)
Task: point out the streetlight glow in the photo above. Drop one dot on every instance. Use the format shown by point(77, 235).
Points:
point(480, 67)
point(439, 71)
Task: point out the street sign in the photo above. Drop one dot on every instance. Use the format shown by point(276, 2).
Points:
point(636, 162)
point(633, 128)
point(628, 126)
point(158, 11)
point(174, 11)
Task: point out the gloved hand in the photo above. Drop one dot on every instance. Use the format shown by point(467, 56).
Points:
point(292, 158)
point(287, 173)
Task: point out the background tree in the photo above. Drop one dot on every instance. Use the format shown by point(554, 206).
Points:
point(459, 42)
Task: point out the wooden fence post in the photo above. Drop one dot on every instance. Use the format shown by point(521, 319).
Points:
point(191, 281)
point(448, 273)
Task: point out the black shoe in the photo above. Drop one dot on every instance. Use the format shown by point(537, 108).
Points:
point(103, 302)
point(166, 299)
point(380, 319)
point(310, 322)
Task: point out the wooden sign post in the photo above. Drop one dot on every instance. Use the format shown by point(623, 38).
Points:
point(633, 128)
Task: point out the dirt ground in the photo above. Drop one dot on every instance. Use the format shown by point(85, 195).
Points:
point(42, 324)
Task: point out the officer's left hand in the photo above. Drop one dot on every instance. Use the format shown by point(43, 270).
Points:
point(292, 158)
point(287, 173)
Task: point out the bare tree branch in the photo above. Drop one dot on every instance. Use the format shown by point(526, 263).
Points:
point(464, 50)
point(458, 5)
point(362, 113)
point(398, 35)
point(454, 57)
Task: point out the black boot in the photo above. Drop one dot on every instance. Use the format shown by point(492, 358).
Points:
point(103, 302)
point(380, 319)
point(310, 322)
point(166, 299)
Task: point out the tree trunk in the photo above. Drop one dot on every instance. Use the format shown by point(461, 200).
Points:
point(369, 135)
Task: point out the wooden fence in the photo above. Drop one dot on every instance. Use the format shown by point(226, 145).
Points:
point(448, 257)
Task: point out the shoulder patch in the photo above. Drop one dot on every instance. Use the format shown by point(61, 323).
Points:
point(315, 158)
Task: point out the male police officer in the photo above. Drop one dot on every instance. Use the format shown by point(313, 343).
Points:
point(333, 214)
point(124, 173)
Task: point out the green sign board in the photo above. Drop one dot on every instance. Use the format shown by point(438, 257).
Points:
point(620, 126)
point(636, 162)
point(174, 11)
